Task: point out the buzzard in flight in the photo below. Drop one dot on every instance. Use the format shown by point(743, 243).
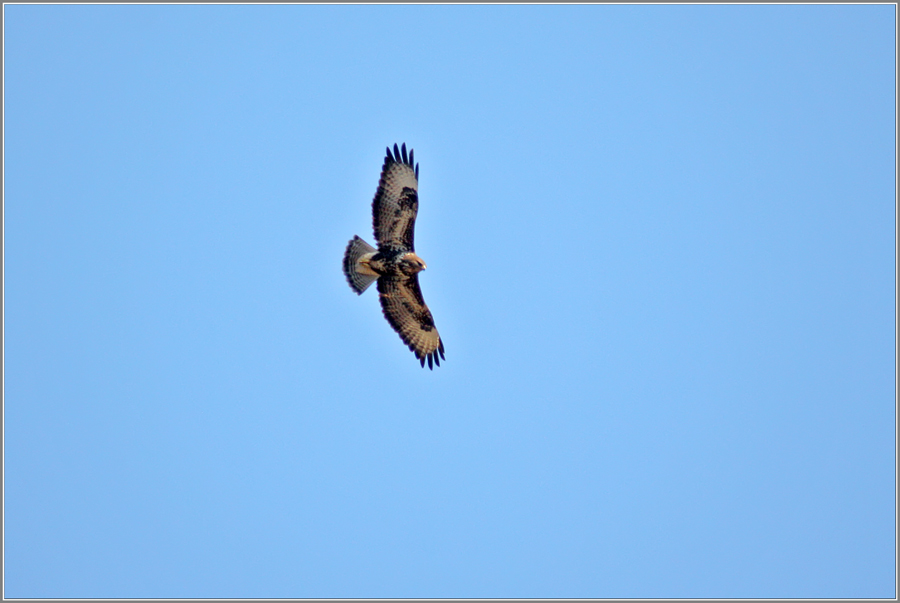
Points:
point(395, 264)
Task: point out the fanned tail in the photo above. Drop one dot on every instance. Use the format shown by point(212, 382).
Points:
point(359, 276)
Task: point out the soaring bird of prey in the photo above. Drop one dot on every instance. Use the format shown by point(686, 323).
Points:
point(395, 264)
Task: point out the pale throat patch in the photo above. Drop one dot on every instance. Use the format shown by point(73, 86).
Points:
point(413, 257)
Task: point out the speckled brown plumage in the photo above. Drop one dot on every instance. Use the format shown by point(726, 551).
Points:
point(394, 265)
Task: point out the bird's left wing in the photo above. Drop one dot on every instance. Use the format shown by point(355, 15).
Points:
point(396, 201)
point(404, 308)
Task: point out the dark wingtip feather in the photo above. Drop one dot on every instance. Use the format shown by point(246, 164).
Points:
point(399, 155)
point(430, 362)
point(422, 361)
point(437, 360)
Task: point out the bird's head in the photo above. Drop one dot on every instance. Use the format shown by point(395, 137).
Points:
point(410, 263)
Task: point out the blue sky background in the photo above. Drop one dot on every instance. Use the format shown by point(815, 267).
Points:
point(660, 246)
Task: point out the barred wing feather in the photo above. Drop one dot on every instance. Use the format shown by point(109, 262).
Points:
point(404, 308)
point(396, 201)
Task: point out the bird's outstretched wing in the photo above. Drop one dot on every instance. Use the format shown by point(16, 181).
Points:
point(396, 201)
point(404, 308)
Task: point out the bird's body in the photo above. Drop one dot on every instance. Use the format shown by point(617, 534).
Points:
point(394, 263)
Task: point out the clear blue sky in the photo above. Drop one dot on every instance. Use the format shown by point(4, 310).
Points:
point(660, 245)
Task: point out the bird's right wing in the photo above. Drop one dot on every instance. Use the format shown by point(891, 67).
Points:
point(404, 308)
